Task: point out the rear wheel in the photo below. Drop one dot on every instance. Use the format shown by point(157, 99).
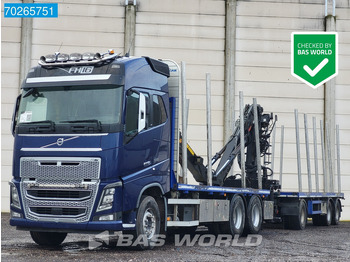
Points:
point(254, 216)
point(49, 239)
point(235, 225)
point(336, 212)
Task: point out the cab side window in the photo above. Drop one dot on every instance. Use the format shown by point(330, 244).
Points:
point(158, 111)
point(132, 111)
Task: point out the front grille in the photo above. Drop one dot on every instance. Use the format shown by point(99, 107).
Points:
point(60, 169)
point(58, 211)
point(59, 188)
point(69, 194)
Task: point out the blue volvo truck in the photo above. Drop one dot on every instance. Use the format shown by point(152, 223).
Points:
point(97, 148)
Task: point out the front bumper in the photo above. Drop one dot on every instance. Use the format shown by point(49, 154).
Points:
point(93, 226)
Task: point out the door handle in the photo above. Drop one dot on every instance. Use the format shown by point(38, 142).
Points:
point(147, 163)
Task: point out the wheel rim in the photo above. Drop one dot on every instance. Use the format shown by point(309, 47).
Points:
point(255, 215)
point(238, 216)
point(149, 223)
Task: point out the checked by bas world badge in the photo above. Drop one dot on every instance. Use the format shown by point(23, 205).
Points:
point(314, 57)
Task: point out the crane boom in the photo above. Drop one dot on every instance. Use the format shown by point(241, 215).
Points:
point(231, 150)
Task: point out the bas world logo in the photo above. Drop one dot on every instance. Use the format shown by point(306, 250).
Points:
point(205, 240)
point(314, 57)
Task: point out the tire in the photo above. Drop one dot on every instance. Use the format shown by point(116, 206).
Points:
point(324, 219)
point(48, 239)
point(147, 223)
point(299, 222)
point(336, 212)
point(254, 216)
point(236, 223)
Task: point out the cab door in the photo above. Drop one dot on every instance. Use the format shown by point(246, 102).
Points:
point(134, 156)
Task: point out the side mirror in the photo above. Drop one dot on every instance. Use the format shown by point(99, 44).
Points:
point(14, 115)
point(142, 113)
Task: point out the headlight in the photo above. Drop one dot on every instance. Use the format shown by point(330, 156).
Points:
point(14, 197)
point(107, 199)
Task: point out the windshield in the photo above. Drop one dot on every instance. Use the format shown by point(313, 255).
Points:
point(64, 106)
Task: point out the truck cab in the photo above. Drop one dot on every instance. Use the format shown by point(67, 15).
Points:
point(92, 135)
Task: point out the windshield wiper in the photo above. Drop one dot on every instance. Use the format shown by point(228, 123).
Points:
point(84, 127)
point(40, 126)
point(82, 121)
point(40, 122)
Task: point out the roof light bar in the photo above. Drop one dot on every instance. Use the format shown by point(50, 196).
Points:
point(58, 59)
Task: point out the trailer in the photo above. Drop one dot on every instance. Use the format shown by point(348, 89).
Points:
point(101, 145)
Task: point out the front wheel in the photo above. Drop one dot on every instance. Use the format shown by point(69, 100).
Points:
point(147, 223)
point(49, 239)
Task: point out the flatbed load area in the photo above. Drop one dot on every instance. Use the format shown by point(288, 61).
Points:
point(239, 203)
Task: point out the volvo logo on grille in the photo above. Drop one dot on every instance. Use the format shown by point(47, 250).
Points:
point(60, 141)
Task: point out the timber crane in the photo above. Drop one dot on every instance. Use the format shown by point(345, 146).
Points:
point(231, 150)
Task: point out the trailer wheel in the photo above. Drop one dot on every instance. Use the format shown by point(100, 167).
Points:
point(336, 212)
point(299, 222)
point(147, 223)
point(48, 239)
point(254, 216)
point(325, 219)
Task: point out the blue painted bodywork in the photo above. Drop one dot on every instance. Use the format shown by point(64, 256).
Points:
point(310, 207)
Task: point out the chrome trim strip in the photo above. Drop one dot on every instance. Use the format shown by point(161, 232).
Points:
point(29, 149)
point(53, 79)
point(60, 135)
